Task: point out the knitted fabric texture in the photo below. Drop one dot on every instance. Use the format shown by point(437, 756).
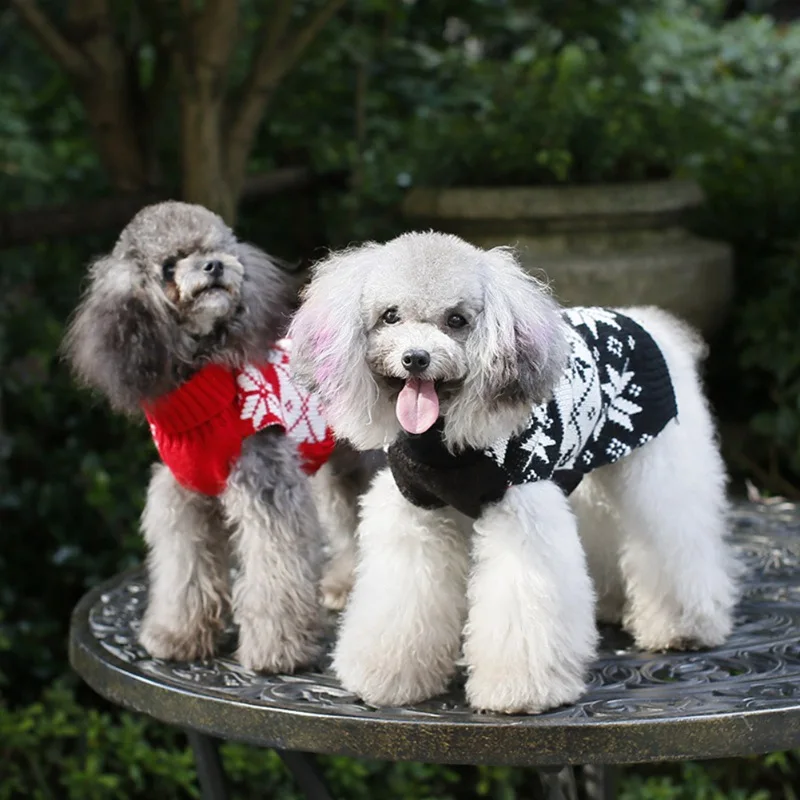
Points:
point(199, 428)
point(616, 394)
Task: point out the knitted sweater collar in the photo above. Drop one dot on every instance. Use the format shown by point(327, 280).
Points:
point(205, 395)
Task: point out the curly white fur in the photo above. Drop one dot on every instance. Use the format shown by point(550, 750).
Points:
point(517, 588)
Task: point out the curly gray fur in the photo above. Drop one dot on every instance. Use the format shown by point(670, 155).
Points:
point(179, 291)
point(137, 335)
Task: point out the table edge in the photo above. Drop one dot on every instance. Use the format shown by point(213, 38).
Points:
point(515, 741)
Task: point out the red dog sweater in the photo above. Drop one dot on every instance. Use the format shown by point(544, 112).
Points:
point(199, 427)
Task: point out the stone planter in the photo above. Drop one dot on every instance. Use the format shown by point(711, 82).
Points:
point(616, 244)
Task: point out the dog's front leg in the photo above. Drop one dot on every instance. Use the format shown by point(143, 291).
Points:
point(187, 569)
point(400, 632)
point(530, 633)
point(276, 538)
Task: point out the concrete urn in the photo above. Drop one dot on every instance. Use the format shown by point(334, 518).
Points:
point(615, 244)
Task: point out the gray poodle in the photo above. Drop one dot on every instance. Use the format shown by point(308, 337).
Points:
point(182, 322)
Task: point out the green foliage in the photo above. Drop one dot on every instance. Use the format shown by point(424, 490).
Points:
point(665, 90)
point(766, 338)
point(743, 80)
point(58, 748)
point(72, 475)
point(556, 112)
point(504, 92)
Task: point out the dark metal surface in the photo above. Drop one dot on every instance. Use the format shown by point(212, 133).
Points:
point(210, 772)
point(559, 783)
point(738, 699)
point(306, 774)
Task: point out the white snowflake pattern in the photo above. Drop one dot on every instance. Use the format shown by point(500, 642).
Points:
point(537, 441)
point(617, 449)
point(614, 346)
point(498, 451)
point(589, 317)
point(303, 420)
point(618, 408)
point(258, 397)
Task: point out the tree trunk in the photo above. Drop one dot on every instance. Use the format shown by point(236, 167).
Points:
point(105, 92)
point(203, 177)
point(115, 133)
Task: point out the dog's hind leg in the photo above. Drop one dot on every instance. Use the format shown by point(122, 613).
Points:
point(680, 574)
point(678, 571)
point(531, 633)
point(599, 529)
point(188, 570)
point(276, 538)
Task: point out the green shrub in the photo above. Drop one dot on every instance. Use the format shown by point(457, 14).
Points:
point(555, 112)
point(58, 747)
point(606, 90)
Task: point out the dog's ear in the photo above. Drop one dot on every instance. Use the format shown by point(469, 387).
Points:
point(118, 340)
point(267, 294)
point(329, 342)
point(518, 349)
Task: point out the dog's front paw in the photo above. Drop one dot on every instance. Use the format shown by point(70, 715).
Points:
point(387, 676)
point(192, 643)
point(337, 580)
point(335, 594)
point(277, 648)
point(508, 692)
point(335, 587)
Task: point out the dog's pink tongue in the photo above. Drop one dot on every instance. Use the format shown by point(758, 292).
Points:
point(417, 405)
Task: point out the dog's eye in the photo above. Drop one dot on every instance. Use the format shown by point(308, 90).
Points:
point(168, 269)
point(390, 316)
point(456, 321)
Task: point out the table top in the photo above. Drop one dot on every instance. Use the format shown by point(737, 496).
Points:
point(738, 699)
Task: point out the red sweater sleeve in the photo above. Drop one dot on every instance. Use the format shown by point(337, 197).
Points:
point(196, 429)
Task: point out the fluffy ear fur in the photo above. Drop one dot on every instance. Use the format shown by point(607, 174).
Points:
point(329, 345)
point(266, 295)
point(517, 352)
point(117, 340)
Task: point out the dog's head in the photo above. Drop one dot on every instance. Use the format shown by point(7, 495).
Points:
point(396, 335)
point(177, 291)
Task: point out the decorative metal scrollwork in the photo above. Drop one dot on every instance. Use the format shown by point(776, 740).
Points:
point(759, 667)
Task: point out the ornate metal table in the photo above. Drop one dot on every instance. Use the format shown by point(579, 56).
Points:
point(743, 698)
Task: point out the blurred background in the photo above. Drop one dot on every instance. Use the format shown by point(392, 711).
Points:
point(637, 150)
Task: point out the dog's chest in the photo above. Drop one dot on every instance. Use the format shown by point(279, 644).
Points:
point(430, 476)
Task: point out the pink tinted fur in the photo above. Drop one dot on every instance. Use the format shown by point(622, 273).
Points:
point(329, 364)
point(537, 339)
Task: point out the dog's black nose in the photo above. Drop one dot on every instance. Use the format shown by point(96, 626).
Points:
point(416, 361)
point(214, 268)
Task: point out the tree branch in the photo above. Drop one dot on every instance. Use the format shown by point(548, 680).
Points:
point(52, 40)
point(95, 216)
point(273, 60)
point(214, 33)
point(278, 25)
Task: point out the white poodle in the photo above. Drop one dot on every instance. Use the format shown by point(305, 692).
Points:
point(496, 405)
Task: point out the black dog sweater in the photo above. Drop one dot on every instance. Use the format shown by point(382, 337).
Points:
point(616, 394)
